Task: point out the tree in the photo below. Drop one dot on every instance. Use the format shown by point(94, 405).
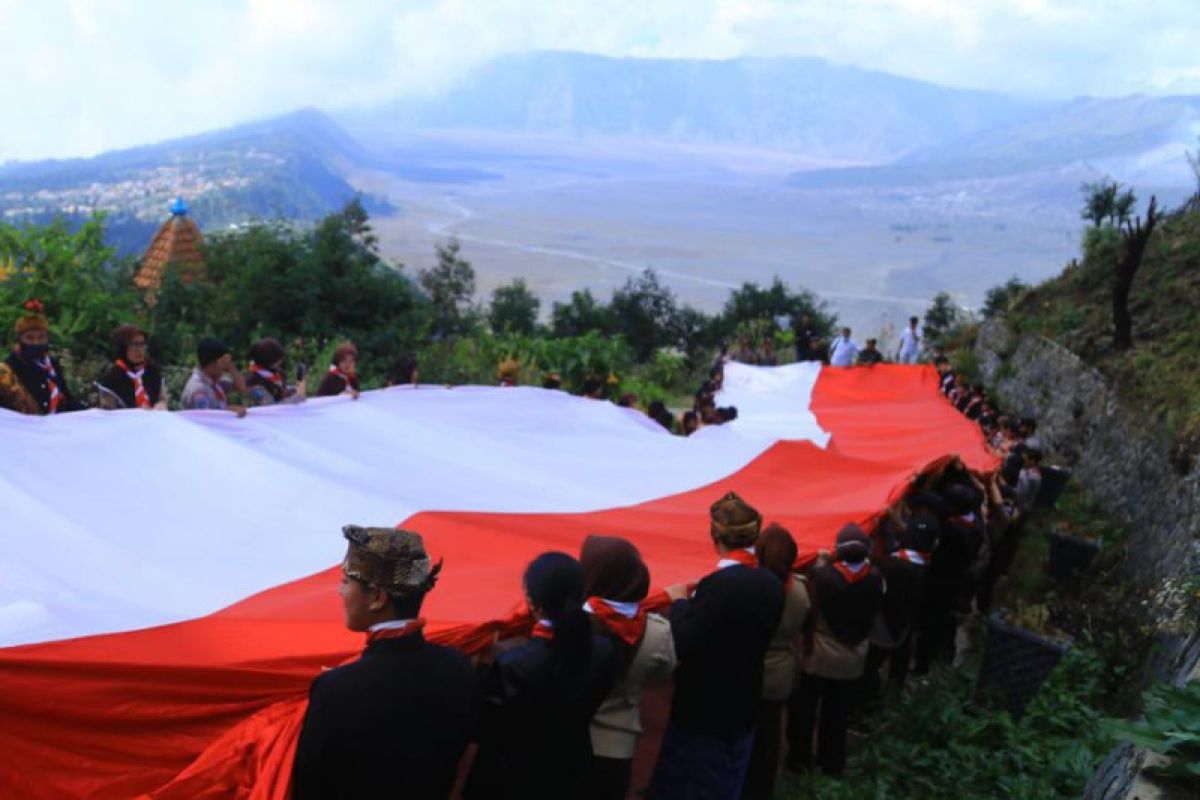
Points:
point(1105, 202)
point(514, 309)
point(752, 303)
point(450, 286)
point(583, 314)
point(644, 312)
point(85, 289)
point(1135, 235)
point(942, 315)
point(999, 298)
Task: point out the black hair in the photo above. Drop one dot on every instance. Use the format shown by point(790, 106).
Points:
point(592, 385)
point(554, 583)
point(727, 413)
point(403, 370)
point(407, 606)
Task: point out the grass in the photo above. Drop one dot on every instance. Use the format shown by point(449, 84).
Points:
point(936, 740)
point(1158, 377)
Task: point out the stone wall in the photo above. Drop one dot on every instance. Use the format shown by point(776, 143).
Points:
point(1124, 464)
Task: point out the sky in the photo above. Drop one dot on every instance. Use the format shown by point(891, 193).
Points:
point(85, 76)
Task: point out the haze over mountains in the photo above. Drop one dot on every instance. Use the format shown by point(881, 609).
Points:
point(575, 170)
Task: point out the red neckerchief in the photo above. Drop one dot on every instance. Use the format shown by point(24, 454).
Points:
point(628, 629)
point(217, 389)
point(269, 375)
point(741, 556)
point(351, 383)
point(51, 382)
point(912, 556)
point(849, 573)
point(140, 398)
point(542, 630)
point(413, 626)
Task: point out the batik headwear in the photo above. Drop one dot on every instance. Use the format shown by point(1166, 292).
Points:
point(33, 317)
point(390, 559)
point(613, 569)
point(509, 369)
point(852, 544)
point(734, 522)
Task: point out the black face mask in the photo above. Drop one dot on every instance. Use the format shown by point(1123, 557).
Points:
point(34, 352)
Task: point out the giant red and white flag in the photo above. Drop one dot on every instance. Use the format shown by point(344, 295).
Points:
point(168, 581)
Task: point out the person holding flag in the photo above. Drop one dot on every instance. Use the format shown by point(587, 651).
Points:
point(133, 380)
point(342, 377)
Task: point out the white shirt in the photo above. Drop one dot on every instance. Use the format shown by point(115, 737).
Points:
point(391, 624)
point(842, 352)
point(909, 341)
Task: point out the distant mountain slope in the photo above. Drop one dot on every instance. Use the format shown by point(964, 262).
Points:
point(1137, 139)
point(804, 104)
point(289, 167)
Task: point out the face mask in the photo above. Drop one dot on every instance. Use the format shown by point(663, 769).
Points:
point(34, 352)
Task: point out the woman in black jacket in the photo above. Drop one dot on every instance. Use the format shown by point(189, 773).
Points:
point(540, 696)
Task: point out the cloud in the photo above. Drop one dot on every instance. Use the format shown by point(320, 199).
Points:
point(82, 76)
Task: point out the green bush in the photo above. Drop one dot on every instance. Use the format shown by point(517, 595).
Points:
point(937, 741)
point(1171, 728)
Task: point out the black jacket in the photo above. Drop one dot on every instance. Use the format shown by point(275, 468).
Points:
point(536, 741)
point(392, 724)
point(905, 594)
point(33, 378)
point(721, 636)
point(848, 609)
point(119, 383)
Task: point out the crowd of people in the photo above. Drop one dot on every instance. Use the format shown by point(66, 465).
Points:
point(32, 380)
point(769, 654)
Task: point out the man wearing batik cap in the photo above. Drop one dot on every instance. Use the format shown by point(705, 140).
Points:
point(721, 635)
point(396, 722)
point(849, 596)
point(31, 380)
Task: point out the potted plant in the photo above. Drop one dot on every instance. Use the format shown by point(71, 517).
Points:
point(1071, 550)
point(1021, 651)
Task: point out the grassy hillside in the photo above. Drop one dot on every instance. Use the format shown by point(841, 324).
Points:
point(1159, 375)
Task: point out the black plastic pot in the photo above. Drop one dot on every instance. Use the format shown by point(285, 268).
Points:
point(1016, 662)
point(1054, 480)
point(1070, 555)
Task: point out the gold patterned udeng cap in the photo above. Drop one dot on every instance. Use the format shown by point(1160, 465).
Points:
point(734, 522)
point(392, 559)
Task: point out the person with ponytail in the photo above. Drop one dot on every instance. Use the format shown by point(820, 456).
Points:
point(397, 721)
point(777, 554)
point(134, 380)
point(849, 595)
point(540, 696)
point(721, 635)
point(615, 582)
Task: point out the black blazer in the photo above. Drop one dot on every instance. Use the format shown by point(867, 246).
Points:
point(392, 724)
point(721, 636)
point(33, 378)
point(905, 594)
point(536, 741)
